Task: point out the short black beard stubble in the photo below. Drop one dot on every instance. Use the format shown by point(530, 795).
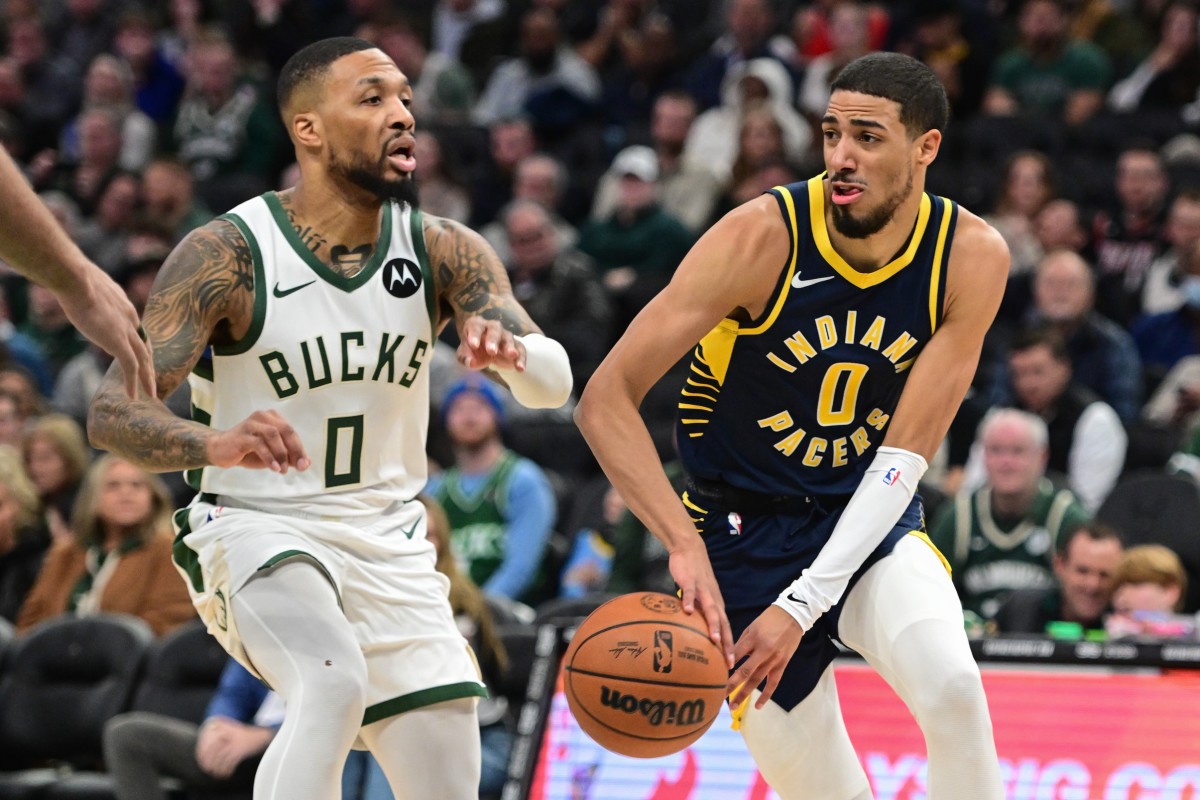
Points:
point(873, 223)
point(370, 177)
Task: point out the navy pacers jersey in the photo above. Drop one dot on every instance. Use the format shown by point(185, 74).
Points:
point(795, 402)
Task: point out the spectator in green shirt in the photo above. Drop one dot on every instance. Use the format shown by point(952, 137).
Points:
point(638, 245)
point(1048, 73)
point(1002, 537)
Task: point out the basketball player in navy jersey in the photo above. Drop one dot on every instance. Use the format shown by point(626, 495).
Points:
point(304, 321)
point(839, 322)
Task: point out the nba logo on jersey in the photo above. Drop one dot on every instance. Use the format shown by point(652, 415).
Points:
point(663, 650)
point(735, 523)
point(891, 476)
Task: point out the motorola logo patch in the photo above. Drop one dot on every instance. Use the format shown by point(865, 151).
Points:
point(401, 277)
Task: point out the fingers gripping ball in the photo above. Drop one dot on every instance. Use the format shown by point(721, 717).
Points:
point(642, 677)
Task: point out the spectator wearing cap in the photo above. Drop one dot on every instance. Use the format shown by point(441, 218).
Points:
point(638, 246)
point(501, 506)
point(686, 191)
point(558, 286)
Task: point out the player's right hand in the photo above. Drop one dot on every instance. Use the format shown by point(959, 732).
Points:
point(102, 312)
point(264, 440)
point(693, 575)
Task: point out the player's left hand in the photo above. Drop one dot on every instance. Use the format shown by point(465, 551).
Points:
point(486, 343)
point(763, 650)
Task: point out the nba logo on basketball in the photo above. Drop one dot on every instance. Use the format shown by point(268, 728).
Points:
point(663, 651)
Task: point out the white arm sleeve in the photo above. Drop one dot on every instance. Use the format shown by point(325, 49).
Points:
point(546, 381)
point(886, 489)
point(1097, 455)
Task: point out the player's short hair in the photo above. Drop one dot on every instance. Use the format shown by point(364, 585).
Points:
point(1095, 531)
point(312, 63)
point(1152, 563)
point(1035, 425)
point(904, 80)
point(1042, 336)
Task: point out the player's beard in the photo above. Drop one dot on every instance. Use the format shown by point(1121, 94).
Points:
point(861, 227)
point(364, 173)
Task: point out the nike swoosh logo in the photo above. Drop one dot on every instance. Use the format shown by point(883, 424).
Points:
point(797, 283)
point(791, 595)
point(285, 292)
point(409, 533)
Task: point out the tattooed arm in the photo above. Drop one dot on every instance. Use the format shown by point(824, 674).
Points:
point(204, 294)
point(206, 281)
point(495, 332)
point(470, 279)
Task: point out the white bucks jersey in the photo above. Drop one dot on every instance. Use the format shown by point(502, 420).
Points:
point(344, 360)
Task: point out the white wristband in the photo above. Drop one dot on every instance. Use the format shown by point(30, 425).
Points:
point(546, 381)
point(883, 495)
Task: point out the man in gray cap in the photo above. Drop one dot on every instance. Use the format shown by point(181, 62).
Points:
point(638, 246)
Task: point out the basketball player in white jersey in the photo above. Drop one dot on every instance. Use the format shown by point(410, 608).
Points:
point(305, 321)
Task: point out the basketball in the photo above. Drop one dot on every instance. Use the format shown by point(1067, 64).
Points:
point(642, 677)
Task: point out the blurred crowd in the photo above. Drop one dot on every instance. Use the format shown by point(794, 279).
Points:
point(592, 142)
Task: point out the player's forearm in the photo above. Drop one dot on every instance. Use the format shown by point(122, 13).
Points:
point(886, 491)
point(31, 240)
point(614, 429)
point(146, 433)
point(546, 380)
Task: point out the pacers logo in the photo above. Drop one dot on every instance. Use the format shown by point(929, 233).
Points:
point(663, 651)
point(401, 277)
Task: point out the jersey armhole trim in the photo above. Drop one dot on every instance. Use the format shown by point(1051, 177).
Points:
point(417, 224)
point(787, 205)
point(260, 292)
point(941, 262)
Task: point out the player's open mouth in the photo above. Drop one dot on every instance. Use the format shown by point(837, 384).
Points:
point(400, 154)
point(845, 193)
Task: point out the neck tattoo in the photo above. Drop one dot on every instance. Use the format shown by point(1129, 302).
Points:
point(349, 261)
point(344, 260)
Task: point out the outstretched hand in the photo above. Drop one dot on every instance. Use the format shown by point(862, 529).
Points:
point(487, 343)
point(693, 575)
point(762, 652)
point(264, 440)
point(103, 314)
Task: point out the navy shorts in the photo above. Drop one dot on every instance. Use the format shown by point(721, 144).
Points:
point(757, 556)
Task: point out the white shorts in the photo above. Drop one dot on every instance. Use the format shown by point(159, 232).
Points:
point(382, 569)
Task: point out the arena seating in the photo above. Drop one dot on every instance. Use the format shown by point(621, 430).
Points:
point(1155, 508)
point(69, 676)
